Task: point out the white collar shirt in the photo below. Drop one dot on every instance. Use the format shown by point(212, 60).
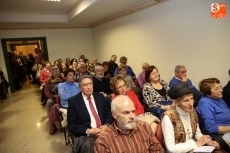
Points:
point(93, 121)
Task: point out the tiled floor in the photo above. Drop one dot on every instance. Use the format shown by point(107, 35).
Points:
point(20, 116)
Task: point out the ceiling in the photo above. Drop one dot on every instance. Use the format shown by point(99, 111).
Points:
point(33, 14)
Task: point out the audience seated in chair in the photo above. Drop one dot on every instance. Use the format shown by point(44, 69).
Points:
point(226, 92)
point(88, 115)
point(118, 86)
point(126, 130)
point(123, 61)
point(54, 115)
point(38, 73)
point(180, 123)
point(112, 64)
point(181, 76)
point(67, 89)
point(107, 73)
point(67, 61)
point(155, 92)
point(213, 111)
point(122, 69)
point(141, 76)
point(101, 84)
point(45, 73)
point(4, 85)
point(95, 62)
point(81, 71)
point(51, 87)
point(91, 69)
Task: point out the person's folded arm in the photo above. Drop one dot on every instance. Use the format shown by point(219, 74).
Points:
point(62, 93)
point(223, 129)
point(206, 113)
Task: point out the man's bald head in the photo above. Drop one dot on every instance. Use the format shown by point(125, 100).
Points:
point(123, 111)
point(121, 102)
point(145, 66)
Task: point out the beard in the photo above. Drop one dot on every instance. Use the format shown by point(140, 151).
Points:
point(100, 76)
point(126, 125)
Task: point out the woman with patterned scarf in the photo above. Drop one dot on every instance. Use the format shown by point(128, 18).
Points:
point(180, 123)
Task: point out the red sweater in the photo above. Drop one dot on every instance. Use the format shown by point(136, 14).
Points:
point(136, 102)
point(44, 75)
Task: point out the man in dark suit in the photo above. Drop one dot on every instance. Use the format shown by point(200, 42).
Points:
point(88, 113)
point(226, 92)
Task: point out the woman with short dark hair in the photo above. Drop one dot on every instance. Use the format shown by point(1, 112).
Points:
point(213, 111)
point(155, 92)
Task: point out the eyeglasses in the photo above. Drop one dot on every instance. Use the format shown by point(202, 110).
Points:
point(87, 84)
point(120, 87)
point(217, 89)
point(182, 71)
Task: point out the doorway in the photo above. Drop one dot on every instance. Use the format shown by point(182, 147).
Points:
point(26, 45)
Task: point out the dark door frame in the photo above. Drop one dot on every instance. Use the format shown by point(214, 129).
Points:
point(14, 45)
point(5, 53)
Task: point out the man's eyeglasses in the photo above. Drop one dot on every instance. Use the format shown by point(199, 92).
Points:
point(217, 89)
point(120, 87)
point(87, 84)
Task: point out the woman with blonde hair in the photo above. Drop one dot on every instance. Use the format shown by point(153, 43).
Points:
point(122, 70)
point(118, 86)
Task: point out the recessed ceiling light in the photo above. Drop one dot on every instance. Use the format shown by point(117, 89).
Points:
point(51, 0)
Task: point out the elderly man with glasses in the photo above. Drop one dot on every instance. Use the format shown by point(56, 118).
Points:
point(88, 115)
point(181, 76)
point(123, 61)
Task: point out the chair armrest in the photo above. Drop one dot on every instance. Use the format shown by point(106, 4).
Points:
point(223, 145)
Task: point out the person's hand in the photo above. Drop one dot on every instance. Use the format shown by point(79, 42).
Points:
point(184, 79)
point(55, 96)
point(214, 144)
point(173, 104)
point(93, 131)
point(112, 95)
point(165, 107)
point(203, 140)
point(63, 91)
point(103, 94)
point(103, 127)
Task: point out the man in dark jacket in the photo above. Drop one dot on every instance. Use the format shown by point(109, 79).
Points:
point(226, 92)
point(112, 64)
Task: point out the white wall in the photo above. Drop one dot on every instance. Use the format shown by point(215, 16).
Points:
point(61, 43)
point(171, 33)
